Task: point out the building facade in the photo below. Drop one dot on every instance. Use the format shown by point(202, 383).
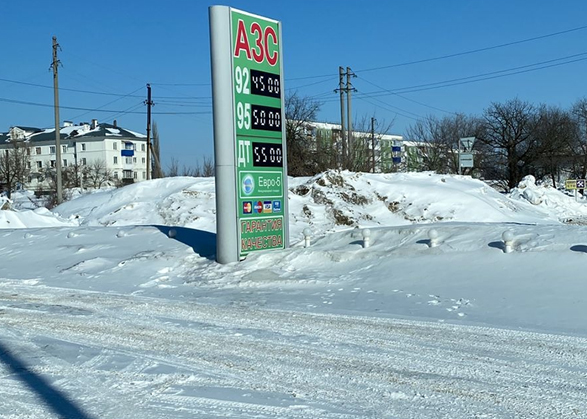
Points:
point(382, 152)
point(120, 154)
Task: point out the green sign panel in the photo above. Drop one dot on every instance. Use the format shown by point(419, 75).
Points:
point(259, 126)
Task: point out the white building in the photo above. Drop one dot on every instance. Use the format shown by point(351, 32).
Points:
point(389, 148)
point(120, 151)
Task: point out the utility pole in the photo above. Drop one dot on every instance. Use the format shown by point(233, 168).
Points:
point(342, 90)
point(373, 140)
point(349, 88)
point(55, 65)
point(149, 103)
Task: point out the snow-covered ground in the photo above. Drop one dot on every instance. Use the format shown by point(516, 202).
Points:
point(112, 306)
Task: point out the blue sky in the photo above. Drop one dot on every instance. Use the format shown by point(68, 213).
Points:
point(114, 48)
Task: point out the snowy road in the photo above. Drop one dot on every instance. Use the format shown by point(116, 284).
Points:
point(124, 356)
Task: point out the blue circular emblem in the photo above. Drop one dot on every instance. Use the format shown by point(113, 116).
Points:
point(248, 184)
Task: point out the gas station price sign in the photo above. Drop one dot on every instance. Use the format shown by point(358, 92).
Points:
point(259, 152)
point(259, 124)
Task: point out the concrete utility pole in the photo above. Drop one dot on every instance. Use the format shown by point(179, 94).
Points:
point(341, 90)
point(349, 88)
point(149, 103)
point(55, 65)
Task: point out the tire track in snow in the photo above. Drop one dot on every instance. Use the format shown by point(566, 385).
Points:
point(328, 366)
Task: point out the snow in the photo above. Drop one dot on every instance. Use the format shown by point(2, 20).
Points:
point(112, 306)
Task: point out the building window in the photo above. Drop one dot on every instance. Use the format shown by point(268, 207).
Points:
point(144, 175)
point(129, 160)
point(52, 149)
point(64, 162)
point(142, 148)
point(28, 164)
point(52, 163)
point(115, 146)
point(129, 146)
point(134, 175)
point(144, 160)
point(134, 159)
point(39, 164)
point(115, 175)
point(64, 148)
point(83, 161)
point(28, 151)
point(38, 150)
point(83, 147)
point(127, 174)
point(115, 159)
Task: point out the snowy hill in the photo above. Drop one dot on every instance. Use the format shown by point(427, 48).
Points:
point(114, 302)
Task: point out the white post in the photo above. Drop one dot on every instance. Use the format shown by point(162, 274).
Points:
point(307, 236)
point(433, 236)
point(508, 241)
point(366, 233)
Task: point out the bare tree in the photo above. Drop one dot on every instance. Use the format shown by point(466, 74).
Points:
point(96, 174)
point(208, 169)
point(364, 146)
point(578, 143)
point(438, 141)
point(15, 164)
point(554, 131)
point(173, 168)
point(156, 149)
point(507, 132)
point(304, 156)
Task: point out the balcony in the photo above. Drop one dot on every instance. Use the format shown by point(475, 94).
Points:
point(127, 153)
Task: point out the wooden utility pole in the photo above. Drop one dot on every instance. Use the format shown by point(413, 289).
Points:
point(149, 103)
point(55, 66)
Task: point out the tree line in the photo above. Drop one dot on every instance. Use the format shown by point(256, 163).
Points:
point(513, 139)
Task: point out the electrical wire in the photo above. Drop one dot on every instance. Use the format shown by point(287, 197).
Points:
point(478, 77)
point(407, 98)
point(417, 118)
point(21, 102)
point(473, 51)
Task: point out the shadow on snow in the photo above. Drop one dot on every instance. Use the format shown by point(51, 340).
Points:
point(203, 242)
point(52, 397)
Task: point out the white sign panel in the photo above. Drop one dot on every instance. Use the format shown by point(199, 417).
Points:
point(466, 160)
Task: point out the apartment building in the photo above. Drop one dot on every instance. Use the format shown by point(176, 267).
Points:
point(121, 152)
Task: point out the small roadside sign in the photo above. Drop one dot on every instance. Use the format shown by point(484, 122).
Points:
point(466, 160)
point(467, 143)
point(575, 183)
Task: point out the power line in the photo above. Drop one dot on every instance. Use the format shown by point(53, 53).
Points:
point(474, 51)
point(363, 98)
point(127, 111)
point(479, 77)
point(21, 102)
point(99, 93)
point(109, 103)
point(407, 98)
point(486, 76)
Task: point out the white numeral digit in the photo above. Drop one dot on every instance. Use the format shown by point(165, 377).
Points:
point(243, 115)
point(242, 80)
